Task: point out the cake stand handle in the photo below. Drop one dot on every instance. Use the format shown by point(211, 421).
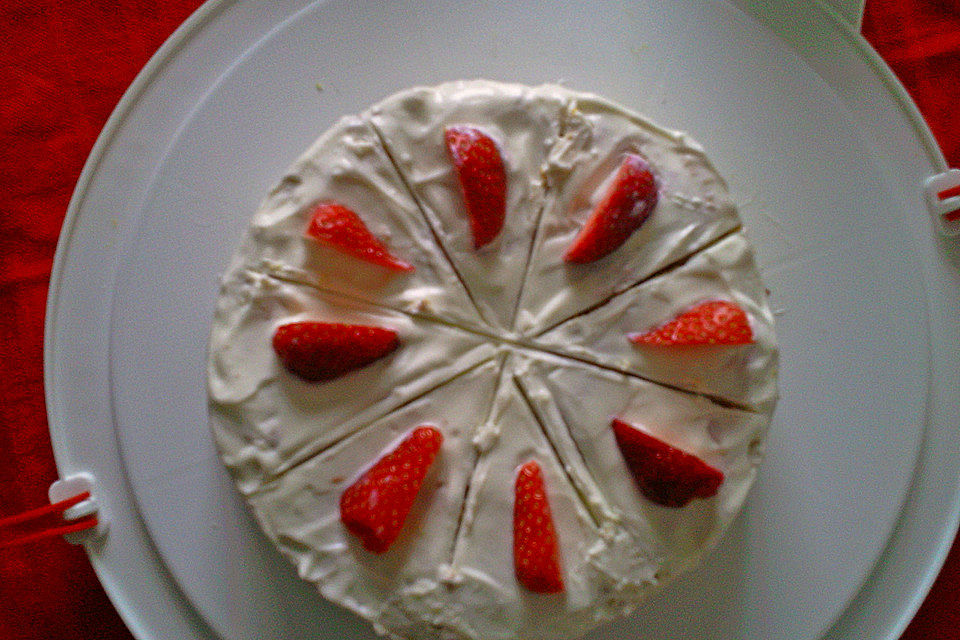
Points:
point(850, 10)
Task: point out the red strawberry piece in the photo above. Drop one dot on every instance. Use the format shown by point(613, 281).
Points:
point(665, 475)
point(324, 350)
point(375, 507)
point(337, 226)
point(627, 203)
point(714, 322)
point(483, 180)
point(535, 549)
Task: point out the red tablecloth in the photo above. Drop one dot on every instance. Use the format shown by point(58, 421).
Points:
point(62, 70)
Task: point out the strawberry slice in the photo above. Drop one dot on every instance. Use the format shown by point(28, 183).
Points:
point(665, 475)
point(483, 180)
point(627, 203)
point(324, 350)
point(535, 548)
point(375, 507)
point(337, 226)
point(713, 322)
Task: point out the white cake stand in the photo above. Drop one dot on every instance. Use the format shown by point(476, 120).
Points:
point(857, 502)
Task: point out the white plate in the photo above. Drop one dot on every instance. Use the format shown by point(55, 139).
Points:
point(857, 502)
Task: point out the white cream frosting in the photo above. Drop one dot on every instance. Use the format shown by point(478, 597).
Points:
point(496, 352)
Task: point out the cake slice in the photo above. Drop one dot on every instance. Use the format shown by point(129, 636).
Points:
point(600, 140)
point(266, 417)
point(522, 123)
point(603, 570)
point(295, 235)
point(301, 511)
point(740, 374)
point(584, 401)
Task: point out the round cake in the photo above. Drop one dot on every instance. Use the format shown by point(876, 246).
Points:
point(493, 361)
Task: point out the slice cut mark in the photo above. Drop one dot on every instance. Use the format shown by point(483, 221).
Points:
point(348, 166)
point(414, 313)
point(365, 421)
point(483, 439)
point(743, 375)
point(526, 262)
point(572, 467)
point(477, 441)
point(545, 351)
point(617, 293)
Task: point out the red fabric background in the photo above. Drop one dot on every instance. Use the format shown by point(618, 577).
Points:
point(62, 70)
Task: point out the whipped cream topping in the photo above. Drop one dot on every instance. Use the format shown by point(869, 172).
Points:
point(512, 354)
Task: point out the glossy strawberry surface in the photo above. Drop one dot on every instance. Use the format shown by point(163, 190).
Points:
point(375, 507)
point(339, 227)
point(535, 547)
point(664, 474)
point(317, 351)
point(626, 204)
point(483, 180)
point(714, 322)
